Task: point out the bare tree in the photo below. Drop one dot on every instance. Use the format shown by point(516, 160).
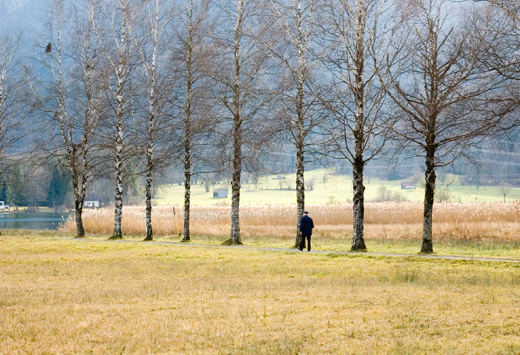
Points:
point(71, 99)
point(235, 108)
point(191, 28)
point(113, 29)
point(151, 69)
point(510, 8)
point(187, 121)
point(504, 188)
point(12, 79)
point(158, 74)
point(503, 55)
point(150, 66)
point(291, 52)
point(437, 82)
point(354, 41)
point(237, 65)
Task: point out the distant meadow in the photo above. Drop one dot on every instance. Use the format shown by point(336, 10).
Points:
point(268, 209)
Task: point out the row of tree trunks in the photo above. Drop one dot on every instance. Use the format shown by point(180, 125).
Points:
point(443, 69)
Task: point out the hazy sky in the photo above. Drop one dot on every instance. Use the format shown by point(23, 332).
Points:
point(20, 15)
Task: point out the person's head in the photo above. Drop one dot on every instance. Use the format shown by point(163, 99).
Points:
point(306, 213)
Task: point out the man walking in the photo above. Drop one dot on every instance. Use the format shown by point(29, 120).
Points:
point(306, 225)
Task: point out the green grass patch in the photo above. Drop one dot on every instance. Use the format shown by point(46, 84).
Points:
point(325, 187)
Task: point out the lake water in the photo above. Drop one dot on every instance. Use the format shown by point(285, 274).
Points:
point(31, 220)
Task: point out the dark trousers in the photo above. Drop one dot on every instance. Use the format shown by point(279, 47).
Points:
point(302, 242)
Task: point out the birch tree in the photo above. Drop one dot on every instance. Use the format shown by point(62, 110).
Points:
point(354, 40)
point(237, 66)
point(71, 99)
point(295, 21)
point(151, 69)
point(191, 28)
point(12, 98)
point(153, 39)
point(113, 30)
point(150, 65)
point(438, 84)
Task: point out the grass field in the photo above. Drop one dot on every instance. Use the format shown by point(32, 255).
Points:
point(59, 295)
point(327, 188)
point(63, 296)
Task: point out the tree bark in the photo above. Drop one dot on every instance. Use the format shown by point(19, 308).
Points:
point(118, 204)
point(78, 211)
point(79, 199)
point(358, 240)
point(187, 200)
point(429, 195)
point(148, 193)
point(235, 183)
point(187, 128)
point(300, 186)
point(187, 167)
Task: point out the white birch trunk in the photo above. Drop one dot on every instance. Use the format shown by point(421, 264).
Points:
point(237, 132)
point(118, 196)
point(429, 196)
point(152, 114)
point(120, 112)
point(300, 125)
point(187, 128)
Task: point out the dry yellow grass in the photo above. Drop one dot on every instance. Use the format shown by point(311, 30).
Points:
point(70, 297)
point(469, 221)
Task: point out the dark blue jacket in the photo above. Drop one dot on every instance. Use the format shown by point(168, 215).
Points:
point(306, 225)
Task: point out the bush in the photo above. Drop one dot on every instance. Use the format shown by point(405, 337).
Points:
point(385, 195)
point(443, 195)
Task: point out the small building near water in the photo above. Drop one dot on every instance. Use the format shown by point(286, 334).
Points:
point(91, 202)
point(3, 206)
point(220, 193)
point(407, 185)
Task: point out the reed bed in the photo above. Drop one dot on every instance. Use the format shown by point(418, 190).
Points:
point(462, 221)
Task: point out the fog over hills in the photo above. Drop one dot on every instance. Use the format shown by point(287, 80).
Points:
point(12, 5)
point(24, 17)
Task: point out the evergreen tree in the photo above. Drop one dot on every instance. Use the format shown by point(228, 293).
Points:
point(59, 187)
point(15, 187)
point(132, 183)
